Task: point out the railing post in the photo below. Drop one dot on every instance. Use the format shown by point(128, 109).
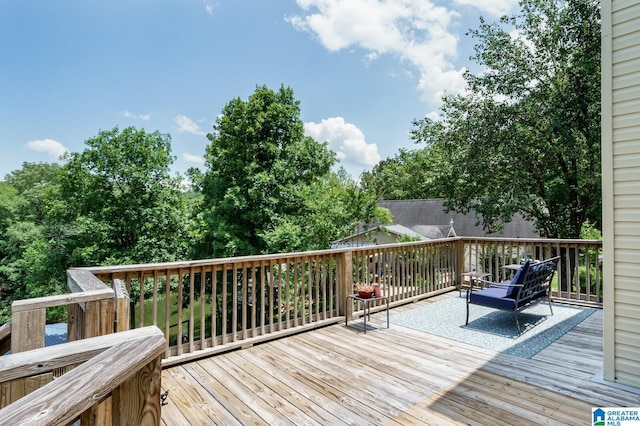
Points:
point(459, 266)
point(5, 338)
point(344, 282)
point(27, 329)
point(137, 401)
point(122, 305)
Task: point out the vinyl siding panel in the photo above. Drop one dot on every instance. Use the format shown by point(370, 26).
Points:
point(624, 12)
point(633, 338)
point(621, 143)
point(625, 283)
point(628, 142)
point(626, 55)
point(626, 270)
point(630, 160)
point(632, 298)
point(627, 201)
point(627, 215)
point(628, 228)
point(623, 82)
point(628, 95)
point(626, 120)
point(626, 256)
point(627, 369)
point(625, 174)
point(624, 326)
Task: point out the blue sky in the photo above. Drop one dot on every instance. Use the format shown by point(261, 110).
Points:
point(361, 69)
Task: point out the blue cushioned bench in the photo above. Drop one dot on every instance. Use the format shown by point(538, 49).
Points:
point(530, 285)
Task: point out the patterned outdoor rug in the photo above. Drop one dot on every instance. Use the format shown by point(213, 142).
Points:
point(493, 329)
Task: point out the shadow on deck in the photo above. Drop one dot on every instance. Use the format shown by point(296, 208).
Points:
point(395, 376)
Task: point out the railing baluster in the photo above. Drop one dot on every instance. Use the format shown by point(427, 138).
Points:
point(274, 293)
point(167, 311)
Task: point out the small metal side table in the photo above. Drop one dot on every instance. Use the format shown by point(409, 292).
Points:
point(473, 275)
point(367, 307)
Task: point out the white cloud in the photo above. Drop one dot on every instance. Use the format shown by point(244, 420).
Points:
point(192, 158)
point(145, 117)
point(492, 7)
point(417, 31)
point(49, 146)
point(187, 125)
point(346, 140)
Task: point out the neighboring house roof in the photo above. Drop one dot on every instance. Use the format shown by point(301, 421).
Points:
point(432, 212)
point(402, 230)
point(434, 232)
point(55, 334)
point(429, 220)
point(364, 238)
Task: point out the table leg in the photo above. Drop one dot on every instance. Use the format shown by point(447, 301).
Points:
point(366, 305)
point(387, 311)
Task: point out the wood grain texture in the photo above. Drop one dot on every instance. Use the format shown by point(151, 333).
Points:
point(27, 330)
point(396, 376)
point(5, 338)
point(63, 400)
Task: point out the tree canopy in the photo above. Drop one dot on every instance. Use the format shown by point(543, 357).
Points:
point(117, 198)
point(403, 177)
point(267, 187)
point(257, 159)
point(525, 137)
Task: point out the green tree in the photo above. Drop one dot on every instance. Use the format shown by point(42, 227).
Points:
point(34, 182)
point(332, 207)
point(257, 160)
point(404, 177)
point(23, 239)
point(118, 203)
point(525, 137)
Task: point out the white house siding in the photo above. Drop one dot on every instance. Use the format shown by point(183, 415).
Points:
point(621, 188)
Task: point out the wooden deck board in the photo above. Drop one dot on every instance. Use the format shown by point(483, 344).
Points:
point(338, 375)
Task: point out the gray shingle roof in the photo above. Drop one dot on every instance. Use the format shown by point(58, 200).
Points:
point(418, 213)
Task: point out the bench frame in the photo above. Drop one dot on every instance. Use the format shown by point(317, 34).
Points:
point(535, 287)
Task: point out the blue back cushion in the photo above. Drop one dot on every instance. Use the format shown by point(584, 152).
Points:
point(518, 278)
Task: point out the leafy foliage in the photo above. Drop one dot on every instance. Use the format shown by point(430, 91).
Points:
point(526, 135)
point(404, 177)
point(117, 198)
point(24, 248)
point(267, 188)
point(331, 208)
point(258, 159)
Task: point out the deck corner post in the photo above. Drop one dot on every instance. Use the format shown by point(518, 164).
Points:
point(137, 401)
point(345, 281)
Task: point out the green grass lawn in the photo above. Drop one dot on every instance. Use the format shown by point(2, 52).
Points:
point(173, 315)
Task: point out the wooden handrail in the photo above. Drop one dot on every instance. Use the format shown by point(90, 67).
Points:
point(230, 302)
point(61, 300)
point(5, 338)
point(124, 365)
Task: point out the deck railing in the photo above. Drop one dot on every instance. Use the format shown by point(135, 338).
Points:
point(111, 379)
point(90, 306)
point(579, 275)
point(208, 306)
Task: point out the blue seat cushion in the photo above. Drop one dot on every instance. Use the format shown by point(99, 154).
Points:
point(518, 278)
point(541, 269)
point(493, 297)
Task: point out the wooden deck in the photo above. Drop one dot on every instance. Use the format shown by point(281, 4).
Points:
point(397, 376)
